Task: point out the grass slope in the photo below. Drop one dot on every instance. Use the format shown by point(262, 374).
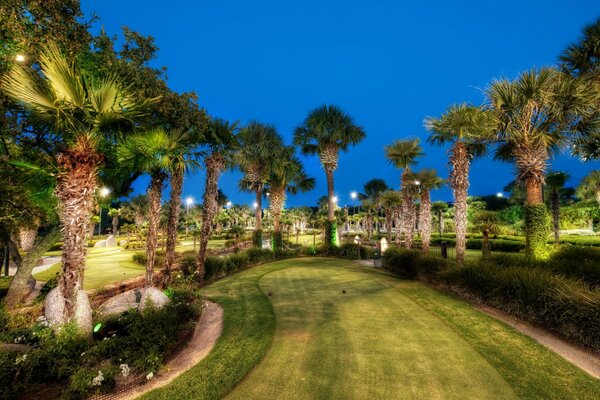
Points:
point(384, 338)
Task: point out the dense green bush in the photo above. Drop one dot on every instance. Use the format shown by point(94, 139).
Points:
point(476, 244)
point(140, 341)
point(578, 262)
point(537, 229)
point(159, 259)
point(346, 250)
point(532, 290)
point(4, 284)
point(580, 240)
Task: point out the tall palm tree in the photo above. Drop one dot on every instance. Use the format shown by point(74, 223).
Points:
point(555, 181)
point(259, 144)
point(583, 56)
point(182, 157)
point(539, 113)
point(427, 181)
point(326, 131)
point(488, 223)
point(157, 152)
point(391, 201)
point(287, 176)
point(136, 209)
point(403, 153)
point(83, 112)
point(220, 142)
point(467, 128)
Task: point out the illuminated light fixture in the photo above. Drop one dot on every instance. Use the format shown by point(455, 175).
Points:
point(104, 192)
point(499, 194)
point(229, 204)
point(417, 182)
point(20, 58)
point(255, 204)
point(353, 195)
point(97, 327)
point(189, 201)
point(335, 199)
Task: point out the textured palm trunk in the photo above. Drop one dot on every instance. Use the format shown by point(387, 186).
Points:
point(154, 194)
point(75, 188)
point(276, 203)
point(27, 239)
point(555, 205)
point(425, 219)
point(329, 160)
point(139, 220)
point(398, 224)
point(258, 211)
point(20, 286)
point(388, 223)
point(440, 223)
point(533, 187)
point(408, 210)
point(459, 180)
point(174, 210)
point(214, 165)
point(115, 224)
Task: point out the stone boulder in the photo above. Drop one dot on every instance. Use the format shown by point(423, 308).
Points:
point(55, 311)
point(121, 303)
point(111, 241)
point(153, 297)
point(100, 243)
point(122, 242)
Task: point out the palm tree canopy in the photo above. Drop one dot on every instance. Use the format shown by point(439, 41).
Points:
point(160, 150)
point(288, 173)
point(556, 179)
point(403, 153)
point(221, 135)
point(439, 206)
point(390, 199)
point(427, 179)
point(373, 189)
point(66, 100)
point(463, 123)
point(584, 56)
point(326, 126)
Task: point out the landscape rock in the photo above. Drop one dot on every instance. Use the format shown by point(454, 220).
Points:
point(100, 243)
point(111, 241)
point(123, 243)
point(121, 303)
point(153, 296)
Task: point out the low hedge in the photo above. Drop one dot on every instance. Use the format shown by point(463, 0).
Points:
point(511, 246)
point(531, 291)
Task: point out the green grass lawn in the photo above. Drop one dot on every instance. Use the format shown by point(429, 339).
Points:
point(384, 338)
point(112, 264)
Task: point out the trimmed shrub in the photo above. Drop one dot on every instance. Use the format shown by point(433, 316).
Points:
point(413, 264)
point(257, 238)
point(536, 231)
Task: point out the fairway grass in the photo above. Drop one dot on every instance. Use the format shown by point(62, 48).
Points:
point(383, 338)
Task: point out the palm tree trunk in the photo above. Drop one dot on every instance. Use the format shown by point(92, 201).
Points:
point(258, 210)
point(441, 223)
point(20, 283)
point(459, 180)
point(425, 219)
point(398, 223)
point(154, 194)
point(115, 224)
point(214, 165)
point(75, 189)
point(174, 209)
point(388, 224)
point(27, 238)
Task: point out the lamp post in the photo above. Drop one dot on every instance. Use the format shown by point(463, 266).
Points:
point(353, 196)
point(188, 203)
point(104, 192)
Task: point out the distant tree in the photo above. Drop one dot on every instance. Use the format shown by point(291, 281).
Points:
point(373, 188)
point(428, 181)
point(326, 131)
point(487, 222)
point(391, 201)
point(403, 154)
point(589, 188)
point(555, 182)
point(439, 208)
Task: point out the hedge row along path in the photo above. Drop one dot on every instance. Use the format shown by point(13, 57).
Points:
point(384, 338)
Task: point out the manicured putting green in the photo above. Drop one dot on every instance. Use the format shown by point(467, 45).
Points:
point(385, 338)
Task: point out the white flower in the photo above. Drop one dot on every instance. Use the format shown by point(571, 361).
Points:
point(150, 376)
point(20, 359)
point(97, 381)
point(19, 339)
point(124, 370)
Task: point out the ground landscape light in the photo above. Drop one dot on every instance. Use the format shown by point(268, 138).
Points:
point(19, 58)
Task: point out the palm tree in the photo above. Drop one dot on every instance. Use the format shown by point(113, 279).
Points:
point(115, 213)
point(391, 201)
point(83, 112)
point(439, 208)
point(403, 154)
point(156, 152)
point(326, 131)
point(221, 141)
point(369, 206)
point(583, 57)
point(467, 128)
point(427, 180)
point(180, 158)
point(555, 181)
point(259, 144)
point(488, 223)
point(538, 112)
point(136, 209)
point(287, 176)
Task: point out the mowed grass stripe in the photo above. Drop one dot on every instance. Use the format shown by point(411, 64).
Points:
point(368, 343)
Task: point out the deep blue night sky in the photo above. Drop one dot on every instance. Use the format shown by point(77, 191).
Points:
point(387, 64)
